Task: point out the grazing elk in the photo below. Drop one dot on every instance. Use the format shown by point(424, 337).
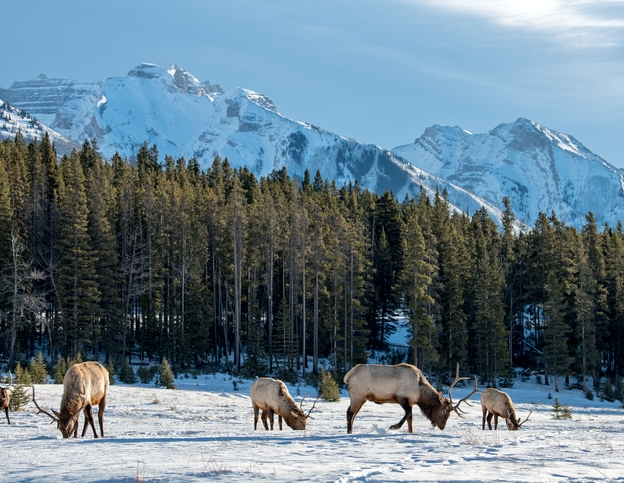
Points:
point(498, 403)
point(402, 384)
point(84, 385)
point(272, 397)
point(5, 397)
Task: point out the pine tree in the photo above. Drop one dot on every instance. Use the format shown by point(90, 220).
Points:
point(594, 244)
point(557, 330)
point(614, 267)
point(417, 280)
point(328, 390)
point(489, 345)
point(453, 339)
point(37, 370)
point(285, 341)
point(59, 370)
point(78, 289)
point(101, 205)
point(126, 374)
point(386, 301)
point(565, 412)
point(165, 377)
point(19, 396)
point(110, 367)
point(145, 375)
point(557, 408)
point(585, 318)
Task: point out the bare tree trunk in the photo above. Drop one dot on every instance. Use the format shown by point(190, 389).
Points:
point(315, 341)
point(238, 249)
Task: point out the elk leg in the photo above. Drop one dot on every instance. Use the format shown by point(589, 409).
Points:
point(86, 424)
point(279, 420)
point(489, 420)
point(352, 411)
point(271, 417)
point(407, 417)
point(495, 421)
point(256, 412)
point(483, 421)
point(265, 415)
point(6, 411)
point(101, 408)
point(91, 420)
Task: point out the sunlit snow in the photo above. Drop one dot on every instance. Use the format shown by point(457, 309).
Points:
point(205, 430)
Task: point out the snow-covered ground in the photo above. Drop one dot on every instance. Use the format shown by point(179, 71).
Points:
point(205, 430)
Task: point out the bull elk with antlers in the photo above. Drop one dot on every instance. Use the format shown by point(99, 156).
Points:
point(5, 397)
point(84, 386)
point(272, 397)
point(402, 384)
point(495, 403)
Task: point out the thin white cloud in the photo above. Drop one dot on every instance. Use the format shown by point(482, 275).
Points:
point(580, 22)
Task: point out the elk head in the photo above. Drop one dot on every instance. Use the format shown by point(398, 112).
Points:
point(442, 415)
point(67, 424)
point(513, 425)
point(299, 418)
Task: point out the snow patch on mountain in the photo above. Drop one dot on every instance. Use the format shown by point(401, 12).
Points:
point(14, 120)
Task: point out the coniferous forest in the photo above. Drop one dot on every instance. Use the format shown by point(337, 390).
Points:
point(146, 259)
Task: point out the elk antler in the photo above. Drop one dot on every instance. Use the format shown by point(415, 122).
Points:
point(457, 379)
point(313, 405)
point(54, 418)
point(527, 418)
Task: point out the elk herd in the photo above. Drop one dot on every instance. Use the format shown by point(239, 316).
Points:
point(86, 385)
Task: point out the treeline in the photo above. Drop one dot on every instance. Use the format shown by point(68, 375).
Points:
point(146, 258)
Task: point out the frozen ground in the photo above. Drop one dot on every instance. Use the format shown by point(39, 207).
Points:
point(204, 430)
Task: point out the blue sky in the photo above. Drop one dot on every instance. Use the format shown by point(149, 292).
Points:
point(379, 71)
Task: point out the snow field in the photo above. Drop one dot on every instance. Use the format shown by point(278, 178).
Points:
point(205, 430)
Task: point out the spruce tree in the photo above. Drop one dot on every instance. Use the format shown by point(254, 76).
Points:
point(60, 369)
point(78, 289)
point(165, 377)
point(110, 367)
point(557, 330)
point(584, 306)
point(328, 390)
point(37, 370)
point(126, 374)
point(20, 396)
point(453, 275)
point(417, 280)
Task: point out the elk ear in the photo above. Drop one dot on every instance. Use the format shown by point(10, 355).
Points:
point(293, 413)
point(57, 414)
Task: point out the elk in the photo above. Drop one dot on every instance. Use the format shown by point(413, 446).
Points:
point(498, 403)
point(84, 385)
point(272, 397)
point(5, 397)
point(402, 384)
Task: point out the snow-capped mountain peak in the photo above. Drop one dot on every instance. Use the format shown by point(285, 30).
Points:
point(539, 169)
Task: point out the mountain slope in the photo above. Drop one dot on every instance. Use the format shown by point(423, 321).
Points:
point(13, 120)
point(539, 169)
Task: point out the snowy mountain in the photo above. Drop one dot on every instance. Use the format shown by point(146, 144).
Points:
point(13, 120)
point(187, 117)
point(537, 168)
